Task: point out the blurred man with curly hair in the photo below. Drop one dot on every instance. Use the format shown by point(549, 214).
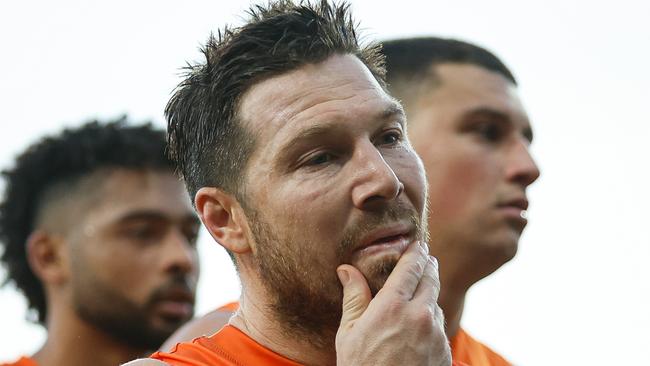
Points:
point(99, 236)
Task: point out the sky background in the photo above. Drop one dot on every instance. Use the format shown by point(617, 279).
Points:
point(578, 292)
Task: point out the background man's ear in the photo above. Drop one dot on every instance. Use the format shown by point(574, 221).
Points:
point(46, 257)
point(224, 218)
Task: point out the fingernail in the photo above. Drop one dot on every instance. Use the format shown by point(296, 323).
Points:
point(344, 276)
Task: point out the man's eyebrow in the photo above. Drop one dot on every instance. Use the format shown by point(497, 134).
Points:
point(394, 109)
point(154, 215)
point(308, 134)
point(495, 114)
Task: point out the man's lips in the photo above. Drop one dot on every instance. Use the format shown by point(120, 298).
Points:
point(514, 208)
point(395, 237)
point(175, 309)
point(176, 303)
point(520, 203)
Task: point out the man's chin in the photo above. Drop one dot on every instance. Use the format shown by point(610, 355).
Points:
point(378, 271)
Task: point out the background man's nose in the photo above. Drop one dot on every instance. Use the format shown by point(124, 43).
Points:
point(522, 168)
point(180, 254)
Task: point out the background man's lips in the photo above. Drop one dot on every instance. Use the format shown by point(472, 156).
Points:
point(520, 203)
point(177, 295)
point(177, 309)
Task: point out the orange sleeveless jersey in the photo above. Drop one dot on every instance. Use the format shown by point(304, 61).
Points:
point(228, 347)
point(468, 351)
point(23, 361)
point(465, 350)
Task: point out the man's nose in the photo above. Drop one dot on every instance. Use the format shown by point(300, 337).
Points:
point(522, 168)
point(179, 254)
point(375, 182)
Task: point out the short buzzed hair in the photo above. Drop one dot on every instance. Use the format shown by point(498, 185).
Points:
point(410, 62)
point(206, 138)
point(59, 161)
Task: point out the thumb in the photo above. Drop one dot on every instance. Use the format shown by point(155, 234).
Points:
point(356, 294)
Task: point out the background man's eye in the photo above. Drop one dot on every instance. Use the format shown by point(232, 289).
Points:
point(140, 232)
point(191, 235)
point(490, 131)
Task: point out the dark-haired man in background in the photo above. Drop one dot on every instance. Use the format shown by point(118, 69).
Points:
point(299, 165)
point(99, 236)
point(470, 129)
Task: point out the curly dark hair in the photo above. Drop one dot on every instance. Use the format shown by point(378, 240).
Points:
point(206, 139)
point(65, 158)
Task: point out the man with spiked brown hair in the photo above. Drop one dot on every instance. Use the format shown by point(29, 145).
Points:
point(299, 165)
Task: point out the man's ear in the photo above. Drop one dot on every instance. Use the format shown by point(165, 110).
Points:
point(46, 257)
point(224, 218)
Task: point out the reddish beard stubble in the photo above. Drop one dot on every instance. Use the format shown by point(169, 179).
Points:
point(305, 293)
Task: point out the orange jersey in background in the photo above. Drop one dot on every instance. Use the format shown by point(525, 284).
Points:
point(230, 307)
point(471, 352)
point(23, 361)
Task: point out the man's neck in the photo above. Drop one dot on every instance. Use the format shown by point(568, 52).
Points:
point(452, 303)
point(254, 320)
point(71, 341)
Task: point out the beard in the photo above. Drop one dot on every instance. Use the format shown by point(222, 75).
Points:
point(306, 295)
point(121, 318)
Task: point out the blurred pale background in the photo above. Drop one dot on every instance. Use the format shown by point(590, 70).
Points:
point(578, 292)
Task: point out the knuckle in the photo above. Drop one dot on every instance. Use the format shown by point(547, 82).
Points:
point(416, 269)
point(423, 319)
point(395, 307)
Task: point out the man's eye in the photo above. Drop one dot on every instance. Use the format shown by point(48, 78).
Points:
point(141, 232)
point(491, 132)
point(191, 235)
point(390, 138)
point(320, 159)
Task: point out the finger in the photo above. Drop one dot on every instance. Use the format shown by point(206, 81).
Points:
point(356, 294)
point(429, 287)
point(439, 316)
point(408, 272)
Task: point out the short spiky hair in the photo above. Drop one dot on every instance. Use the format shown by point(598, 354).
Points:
point(65, 159)
point(206, 139)
point(410, 62)
point(413, 57)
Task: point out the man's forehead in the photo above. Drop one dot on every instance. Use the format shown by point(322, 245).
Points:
point(129, 182)
point(472, 87)
point(127, 191)
point(471, 79)
point(108, 194)
point(310, 89)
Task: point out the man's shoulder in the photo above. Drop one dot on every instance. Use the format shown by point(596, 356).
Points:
point(468, 350)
